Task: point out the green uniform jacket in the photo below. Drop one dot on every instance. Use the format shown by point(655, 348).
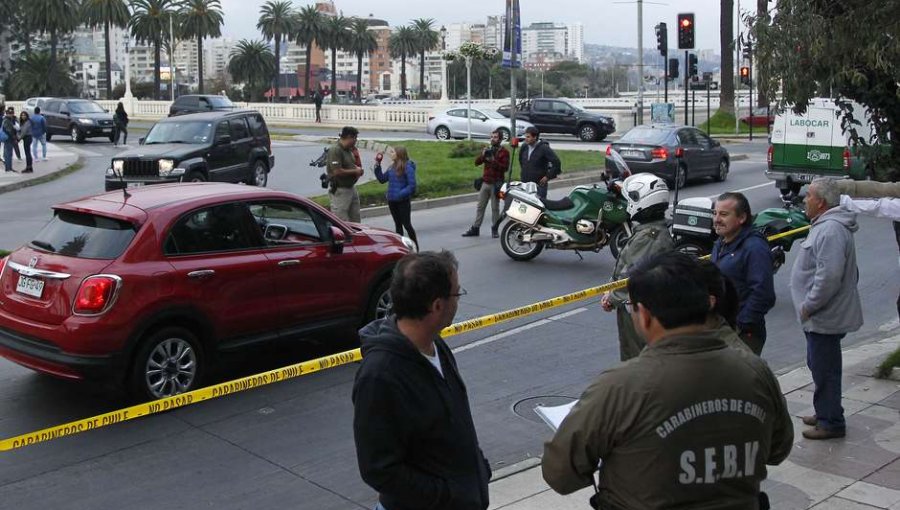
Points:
point(648, 239)
point(690, 423)
point(339, 157)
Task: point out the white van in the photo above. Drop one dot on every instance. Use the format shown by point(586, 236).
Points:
point(804, 147)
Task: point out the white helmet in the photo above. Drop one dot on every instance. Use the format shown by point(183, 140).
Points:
point(643, 191)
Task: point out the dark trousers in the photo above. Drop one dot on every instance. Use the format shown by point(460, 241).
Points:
point(823, 357)
point(318, 113)
point(7, 154)
point(26, 142)
point(118, 130)
point(754, 335)
point(401, 211)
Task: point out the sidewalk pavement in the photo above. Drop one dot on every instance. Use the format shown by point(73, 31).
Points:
point(858, 472)
point(58, 161)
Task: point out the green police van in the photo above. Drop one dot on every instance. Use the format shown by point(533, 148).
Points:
point(804, 147)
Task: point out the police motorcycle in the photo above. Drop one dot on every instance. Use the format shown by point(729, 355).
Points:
point(589, 218)
point(694, 233)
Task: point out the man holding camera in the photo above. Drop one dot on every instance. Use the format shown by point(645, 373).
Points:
point(495, 159)
point(343, 170)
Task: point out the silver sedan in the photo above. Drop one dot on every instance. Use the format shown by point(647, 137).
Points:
point(453, 123)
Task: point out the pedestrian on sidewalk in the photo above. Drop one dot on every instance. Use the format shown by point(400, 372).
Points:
point(343, 172)
point(25, 128)
point(401, 180)
point(415, 439)
point(538, 162)
point(317, 99)
point(647, 197)
point(495, 159)
point(18, 128)
point(38, 133)
point(689, 423)
point(120, 125)
point(742, 254)
point(9, 130)
point(824, 290)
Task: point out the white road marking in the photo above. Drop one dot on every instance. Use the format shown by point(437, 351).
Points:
point(763, 185)
point(83, 152)
point(520, 329)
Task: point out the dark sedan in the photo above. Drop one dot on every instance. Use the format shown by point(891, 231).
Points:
point(668, 151)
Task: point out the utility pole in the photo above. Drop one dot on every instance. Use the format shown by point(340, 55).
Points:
point(640, 16)
point(172, 58)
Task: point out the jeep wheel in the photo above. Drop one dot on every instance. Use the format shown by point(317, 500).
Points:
point(259, 175)
point(167, 363)
point(442, 133)
point(76, 135)
point(194, 176)
point(587, 133)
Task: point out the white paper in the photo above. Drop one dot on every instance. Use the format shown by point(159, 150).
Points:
point(553, 416)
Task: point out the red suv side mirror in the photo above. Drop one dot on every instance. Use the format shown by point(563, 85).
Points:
point(337, 240)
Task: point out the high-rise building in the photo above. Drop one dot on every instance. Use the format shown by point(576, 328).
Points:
point(216, 55)
point(493, 31)
point(575, 42)
point(550, 40)
point(140, 59)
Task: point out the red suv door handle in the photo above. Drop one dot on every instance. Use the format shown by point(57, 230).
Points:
point(203, 273)
point(287, 263)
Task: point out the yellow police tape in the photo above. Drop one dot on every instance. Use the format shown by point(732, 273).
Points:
point(296, 370)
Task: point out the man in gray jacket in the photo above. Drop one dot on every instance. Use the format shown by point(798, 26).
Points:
point(823, 288)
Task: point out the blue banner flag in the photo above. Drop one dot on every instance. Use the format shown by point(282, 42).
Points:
point(512, 35)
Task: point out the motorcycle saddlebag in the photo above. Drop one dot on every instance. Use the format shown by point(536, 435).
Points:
point(693, 216)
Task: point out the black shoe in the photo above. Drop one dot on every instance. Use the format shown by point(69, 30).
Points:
point(494, 233)
point(472, 232)
point(28, 170)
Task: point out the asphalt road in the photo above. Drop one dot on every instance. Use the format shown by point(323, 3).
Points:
point(291, 444)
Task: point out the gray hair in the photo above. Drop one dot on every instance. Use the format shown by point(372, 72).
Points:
point(828, 190)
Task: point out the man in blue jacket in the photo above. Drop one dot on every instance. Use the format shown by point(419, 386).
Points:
point(742, 254)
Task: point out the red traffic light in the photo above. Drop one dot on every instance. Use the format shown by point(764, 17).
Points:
point(745, 72)
point(685, 22)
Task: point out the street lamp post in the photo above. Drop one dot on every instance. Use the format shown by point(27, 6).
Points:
point(470, 51)
point(444, 98)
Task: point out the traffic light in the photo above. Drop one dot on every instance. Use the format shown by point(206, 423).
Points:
point(745, 76)
point(692, 65)
point(748, 50)
point(673, 68)
point(686, 31)
point(662, 39)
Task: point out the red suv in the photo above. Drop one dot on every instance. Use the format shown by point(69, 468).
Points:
point(146, 287)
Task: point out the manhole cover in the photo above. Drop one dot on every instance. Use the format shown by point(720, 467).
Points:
point(525, 407)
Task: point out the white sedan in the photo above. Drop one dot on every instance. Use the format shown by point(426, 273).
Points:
point(453, 123)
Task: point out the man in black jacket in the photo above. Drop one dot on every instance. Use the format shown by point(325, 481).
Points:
point(538, 161)
point(415, 439)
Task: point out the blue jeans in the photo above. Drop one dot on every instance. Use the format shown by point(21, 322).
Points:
point(823, 357)
point(34, 145)
point(7, 155)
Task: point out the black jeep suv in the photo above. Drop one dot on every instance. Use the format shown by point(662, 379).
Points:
point(216, 146)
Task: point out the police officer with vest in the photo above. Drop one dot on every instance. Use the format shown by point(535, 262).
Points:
point(689, 423)
point(343, 171)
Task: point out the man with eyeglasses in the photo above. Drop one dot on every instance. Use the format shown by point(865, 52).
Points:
point(415, 439)
point(689, 423)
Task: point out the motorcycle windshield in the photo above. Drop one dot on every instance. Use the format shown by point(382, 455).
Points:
point(620, 163)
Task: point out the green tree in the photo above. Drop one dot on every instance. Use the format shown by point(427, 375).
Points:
point(106, 13)
point(56, 18)
point(34, 76)
point(402, 44)
point(362, 43)
point(150, 24)
point(427, 39)
point(726, 50)
point(762, 12)
point(310, 31)
point(335, 36)
point(277, 21)
point(199, 19)
point(846, 50)
point(250, 62)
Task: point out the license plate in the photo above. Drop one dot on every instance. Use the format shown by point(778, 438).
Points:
point(803, 177)
point(30, 286)
point(135, 184)
point(632, 154)
point(107, 130)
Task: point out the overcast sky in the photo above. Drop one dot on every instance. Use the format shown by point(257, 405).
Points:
point(605, 21)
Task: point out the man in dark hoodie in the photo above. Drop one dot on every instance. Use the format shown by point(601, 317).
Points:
point(415, 439)
point(824, 283)
point(742, 254)
point(538, 161)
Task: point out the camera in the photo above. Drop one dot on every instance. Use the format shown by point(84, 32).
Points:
point(490, 153)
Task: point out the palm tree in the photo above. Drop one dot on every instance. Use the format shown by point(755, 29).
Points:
point(251, 62)
point(362, 42)
point(150, 24)
point(105, 13)
point(54, 17)
point(199, 19)
point(402, 44)
point(33, 76)
point(726, 47)
point(427, 39)
point(310, 31)
point(277, 21)
point(336, 37)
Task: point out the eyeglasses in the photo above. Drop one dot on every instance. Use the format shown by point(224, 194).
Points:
point(462, 292)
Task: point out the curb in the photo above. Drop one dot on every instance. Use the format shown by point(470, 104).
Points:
point(78, 164)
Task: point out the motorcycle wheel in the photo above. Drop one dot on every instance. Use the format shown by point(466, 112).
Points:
point(514, 247)
point(618, 238)
point(692, 247)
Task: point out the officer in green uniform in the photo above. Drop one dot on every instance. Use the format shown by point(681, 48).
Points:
point(689, 423)
point(648, 199)
point(343, 173)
